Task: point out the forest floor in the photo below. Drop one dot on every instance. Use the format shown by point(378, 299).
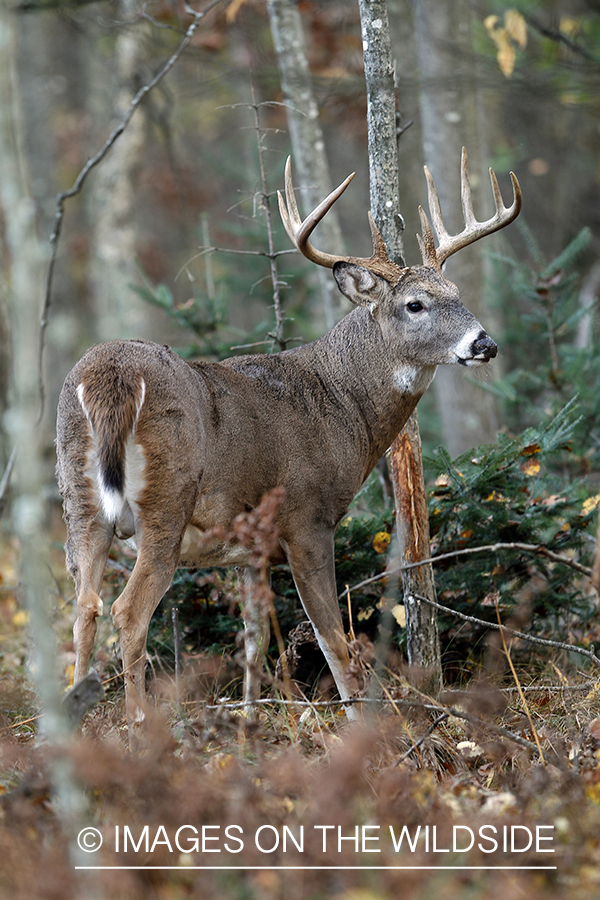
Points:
point(449, 798)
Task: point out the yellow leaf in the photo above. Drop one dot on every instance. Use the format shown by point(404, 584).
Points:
point(365, 614)
point(569, 26)
point(590, 504)
point(20, 618)
point(490, 23)
point(399, 614)
point(69, 675)
point(530, 449)
point(516, 27)
point(592, 792)
point(381, 541)
point(506, 55)
point(531, 467)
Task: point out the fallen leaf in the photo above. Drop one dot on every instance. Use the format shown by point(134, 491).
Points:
point(469, 749)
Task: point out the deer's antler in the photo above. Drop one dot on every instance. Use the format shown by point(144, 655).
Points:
point(473, 230)
point(299, 232)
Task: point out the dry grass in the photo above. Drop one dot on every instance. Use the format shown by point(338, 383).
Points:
point(299, 771)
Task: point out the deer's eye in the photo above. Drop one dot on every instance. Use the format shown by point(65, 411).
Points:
point(415, 306)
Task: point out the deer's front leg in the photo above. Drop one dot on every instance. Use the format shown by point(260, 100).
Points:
point(313, 567)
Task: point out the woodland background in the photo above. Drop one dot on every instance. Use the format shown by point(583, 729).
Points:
point(511, 458)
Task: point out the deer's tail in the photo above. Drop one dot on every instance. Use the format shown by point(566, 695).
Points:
point(112, 401)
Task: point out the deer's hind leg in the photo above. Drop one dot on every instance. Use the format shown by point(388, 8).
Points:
point(87, 554)
point(158, 557)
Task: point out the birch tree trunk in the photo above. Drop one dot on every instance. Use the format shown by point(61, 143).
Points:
point(412, 520)
point(24, 269)
point(119, 312)
point(306, 137)
point(451, 117)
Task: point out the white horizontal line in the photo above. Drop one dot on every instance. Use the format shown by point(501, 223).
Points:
point(312, 868)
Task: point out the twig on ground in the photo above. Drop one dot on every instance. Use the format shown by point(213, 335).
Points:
point(518, 685)
point(441, 718)
point(408, 704)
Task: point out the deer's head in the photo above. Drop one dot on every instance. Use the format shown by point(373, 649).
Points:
point(419, 311)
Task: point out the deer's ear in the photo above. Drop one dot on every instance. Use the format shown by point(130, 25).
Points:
point(359, 284)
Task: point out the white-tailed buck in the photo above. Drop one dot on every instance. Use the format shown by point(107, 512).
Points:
point(159, 450)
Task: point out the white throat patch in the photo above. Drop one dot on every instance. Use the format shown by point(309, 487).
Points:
point(413, 379)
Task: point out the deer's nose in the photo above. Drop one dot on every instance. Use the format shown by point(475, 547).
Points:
point(485, 346)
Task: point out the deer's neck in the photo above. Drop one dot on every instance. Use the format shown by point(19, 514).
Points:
point(372, 382)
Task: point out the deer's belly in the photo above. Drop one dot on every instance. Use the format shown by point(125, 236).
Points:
point(199, 551)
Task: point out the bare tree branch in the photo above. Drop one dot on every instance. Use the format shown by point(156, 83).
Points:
point(559, 645)
point(89, 166)
point(485, 548)
point(528, 548)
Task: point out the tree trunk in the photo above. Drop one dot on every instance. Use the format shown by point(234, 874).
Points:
point(306, 138)
point(25, 265)
point(412, 520)
point(119, 312)
point(450, 118)
point(381, 124)
point(412, 527)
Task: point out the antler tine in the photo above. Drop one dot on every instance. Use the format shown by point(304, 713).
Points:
point(288, 210)
point(435, 209)
point(473, 230)
point(426, 242)
point(299, 231)
point(466, 198)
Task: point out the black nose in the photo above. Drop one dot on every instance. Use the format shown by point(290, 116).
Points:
point(485, 346)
